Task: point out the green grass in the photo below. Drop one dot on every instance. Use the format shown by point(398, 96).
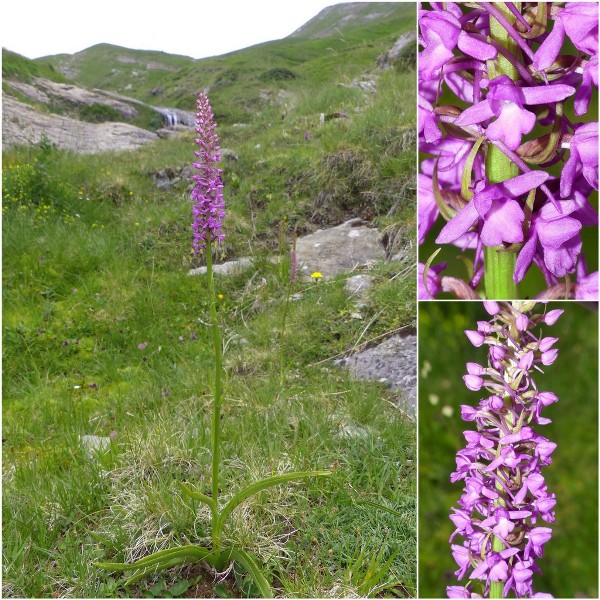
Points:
point(72, 325)
point(95, 268)
point(570, 561)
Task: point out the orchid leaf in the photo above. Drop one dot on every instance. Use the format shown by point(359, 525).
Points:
point(246, 560)
point(263, 485)
point(198, 496)
point(162, 556)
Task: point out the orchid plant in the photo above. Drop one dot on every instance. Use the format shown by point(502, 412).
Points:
point(505, 504)
point(499, 84)
point(208, 212)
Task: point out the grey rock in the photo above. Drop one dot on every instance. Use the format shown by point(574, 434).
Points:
point(78, 96)
point(29, 90)
point(339, 249)
point(366, 83)
point(92, 444)
point(22, 125)
point(393, 362)
point(359, 286)
point(387, 59)
point(227, 268)
point(228, 154)
point(230, 267)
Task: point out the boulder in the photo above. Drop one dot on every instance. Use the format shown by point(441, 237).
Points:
point(394, 363)
point(340, 249)
point(386, 60)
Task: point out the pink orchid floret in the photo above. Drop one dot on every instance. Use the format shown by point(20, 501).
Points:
point(507, 102)
point(495, 208)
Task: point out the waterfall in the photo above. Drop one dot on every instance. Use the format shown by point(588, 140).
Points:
point(169, 117)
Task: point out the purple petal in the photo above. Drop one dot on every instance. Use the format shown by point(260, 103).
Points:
point(459, 224)
point(545, 94)
point(512, 123)
point(476, 48)
point(482, 111)
point(475, 338)
point(553, 234)
point(503, 223)
point(546, 54)
point(523, 184)
point(473, 382)
point(525, 258)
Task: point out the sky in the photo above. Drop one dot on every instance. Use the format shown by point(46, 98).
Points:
point(196, 28)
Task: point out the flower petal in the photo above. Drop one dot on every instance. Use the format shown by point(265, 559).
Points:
point(475, 114)
point(459, 224)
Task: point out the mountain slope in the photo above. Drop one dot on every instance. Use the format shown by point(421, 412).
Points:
point(242, 79)
point(342, 19)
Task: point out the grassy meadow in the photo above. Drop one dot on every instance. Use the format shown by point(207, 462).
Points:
point(104, 333)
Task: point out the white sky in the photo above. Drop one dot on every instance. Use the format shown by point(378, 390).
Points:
point(196, 28)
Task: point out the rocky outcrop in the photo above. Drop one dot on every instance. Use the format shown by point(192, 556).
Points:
point(340, 249)
point(394, 363)
point(46, 91)
point(22, 125)
point(387, 59)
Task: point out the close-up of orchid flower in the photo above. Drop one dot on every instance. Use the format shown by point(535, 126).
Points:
point(508, 138)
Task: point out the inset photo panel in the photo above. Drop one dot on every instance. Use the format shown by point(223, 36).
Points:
point(508, 449)
point(508, 150)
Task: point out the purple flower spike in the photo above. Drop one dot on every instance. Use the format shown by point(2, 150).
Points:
point(207, 196)
point(505, 496)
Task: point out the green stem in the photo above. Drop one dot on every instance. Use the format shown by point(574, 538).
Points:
point(499, 262)
point(499, 269)
point(496, 587)
point(282, 334)
point(217, 397)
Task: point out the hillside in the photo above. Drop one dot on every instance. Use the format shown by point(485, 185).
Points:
point(341, 41)
point(342, 20)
